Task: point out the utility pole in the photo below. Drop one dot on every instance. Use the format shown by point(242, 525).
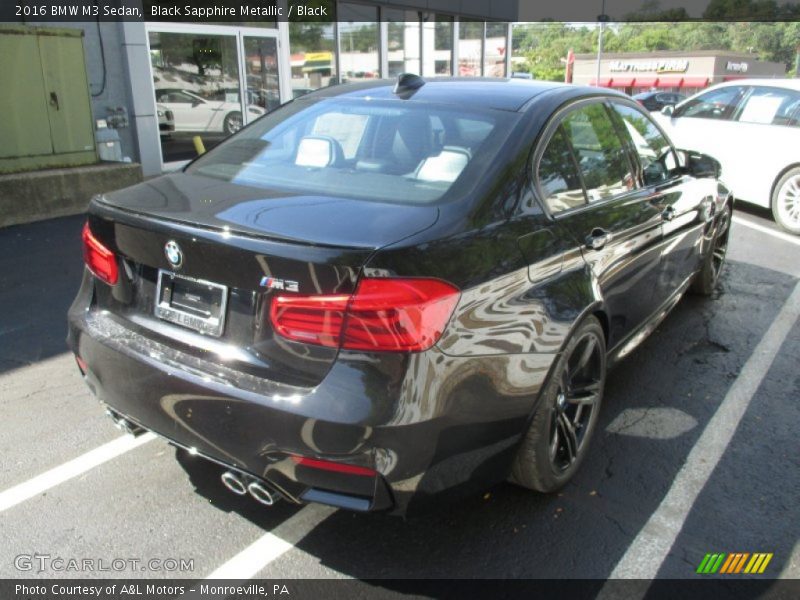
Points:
point(602, 18)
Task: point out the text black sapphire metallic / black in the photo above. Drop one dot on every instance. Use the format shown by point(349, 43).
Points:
point(388, 293)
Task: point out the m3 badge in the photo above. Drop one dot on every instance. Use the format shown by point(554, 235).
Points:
point(273, 283)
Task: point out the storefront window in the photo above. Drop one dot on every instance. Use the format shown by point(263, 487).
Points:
point(358, 42)
point(196, 82)
point(261, 72)
point(437, 43)
point(494, 60)
point(404, 42)
point(470, 44)
point(312, 61)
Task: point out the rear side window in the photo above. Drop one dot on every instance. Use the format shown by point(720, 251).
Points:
point(770, 106)
point(655, 153)
point(559, 181)
point(715, 104)
point(602, 158)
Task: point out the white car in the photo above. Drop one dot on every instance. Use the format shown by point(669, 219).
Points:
point(197, 114)
point(166, 120)
point(752, 127)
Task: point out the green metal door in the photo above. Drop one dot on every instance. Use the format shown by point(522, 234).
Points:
point(66, 94)
point(24, 126)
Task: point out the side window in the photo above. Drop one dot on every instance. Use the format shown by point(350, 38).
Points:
point(716, 104)
point(655, 152)
point(558, 179)
point(602, 158)
point(772, 106)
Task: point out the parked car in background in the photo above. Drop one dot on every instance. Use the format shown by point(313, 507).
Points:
point(380, 294)
point(193, 113)
point(752, 127)
point(656, 100)
point(166, 120)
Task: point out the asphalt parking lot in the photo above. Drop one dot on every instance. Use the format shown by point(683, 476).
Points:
point(661, 475)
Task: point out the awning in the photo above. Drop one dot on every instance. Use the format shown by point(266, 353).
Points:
point(668, 82)
point(734, 77)
point(622, 82)
point(311, 66)
point(604, 82)
point(694, 82)
point(646, 81)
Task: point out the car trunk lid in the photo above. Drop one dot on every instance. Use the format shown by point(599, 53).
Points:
point(244, 245)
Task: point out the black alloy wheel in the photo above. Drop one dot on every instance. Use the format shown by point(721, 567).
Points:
point(576, 399)
point(706, 280)
point(559, 435)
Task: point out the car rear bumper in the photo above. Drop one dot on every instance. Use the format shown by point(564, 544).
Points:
point(426, 424)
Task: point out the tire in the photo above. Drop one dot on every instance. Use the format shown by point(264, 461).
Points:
point(786, 201)
point(232, 122)
point(705, 282)
point(557, 440)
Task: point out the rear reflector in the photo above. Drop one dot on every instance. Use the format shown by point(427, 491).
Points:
point(81, 364)
point(336, 467)
point(101, 261)
point(384, 314)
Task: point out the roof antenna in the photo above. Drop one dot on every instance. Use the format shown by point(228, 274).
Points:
point(407, 84)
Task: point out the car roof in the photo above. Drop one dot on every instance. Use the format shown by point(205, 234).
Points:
point(792, 84)
point(510, 94)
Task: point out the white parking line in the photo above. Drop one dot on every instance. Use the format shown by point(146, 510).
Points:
point(271, 545)
point(648, 551)
point(77, 466)
point(778, 234)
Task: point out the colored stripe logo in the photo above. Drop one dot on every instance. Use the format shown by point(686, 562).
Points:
point(734, 563)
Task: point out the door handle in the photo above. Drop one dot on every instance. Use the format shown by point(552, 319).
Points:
point(668, 213)
point(54, 100)
point(597, 239)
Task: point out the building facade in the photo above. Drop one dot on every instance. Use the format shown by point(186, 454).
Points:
point(685, 72)
point(161, 85)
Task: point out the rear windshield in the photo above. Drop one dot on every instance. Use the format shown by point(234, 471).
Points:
point(382, 150)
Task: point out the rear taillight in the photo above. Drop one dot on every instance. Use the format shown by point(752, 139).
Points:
point(101, 261)
point(311, 319)
point(386, 314)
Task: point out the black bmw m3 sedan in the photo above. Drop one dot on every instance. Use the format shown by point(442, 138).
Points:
point(386, 293)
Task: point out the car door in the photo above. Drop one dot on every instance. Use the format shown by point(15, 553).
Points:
point(767, 132)
point(587, 181)
point(686, 204)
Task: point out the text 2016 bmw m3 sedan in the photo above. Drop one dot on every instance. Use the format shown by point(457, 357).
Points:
point(385, 293)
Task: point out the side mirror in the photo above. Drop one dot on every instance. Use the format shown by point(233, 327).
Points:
point(196, 103)
point(668, 110)
point(699, 165)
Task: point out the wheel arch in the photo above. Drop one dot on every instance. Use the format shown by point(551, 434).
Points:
point(777, 178)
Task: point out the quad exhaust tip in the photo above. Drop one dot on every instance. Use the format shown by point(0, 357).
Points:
point(262, 494)
point(240, 486)
point(234, 483)
point(123, 424)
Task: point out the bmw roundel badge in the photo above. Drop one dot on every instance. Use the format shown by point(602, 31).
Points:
point(174, 254)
